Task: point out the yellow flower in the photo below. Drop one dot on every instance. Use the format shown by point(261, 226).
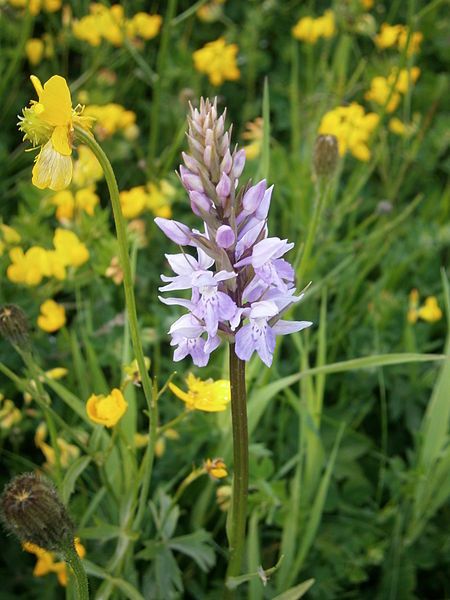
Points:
point(218, 61)
point(223, 496)
point(48, 123)
point(9, 413)
point(86, 169)
point(254, 134)
point(352, 128)
point(210, 12)
point(110, 118)
point(397, 126)
point(159, 198)
point(69, 248)
point(397, 83)
point(310, 30)
point(209, 395)
point(46, 561)
point(146, 26)
point(67, 452)
point(397, 35)
point(215, 468)
point(132, 371)
point(10, 235)
point(52, 317)
point(430, 311)
point(34, 49)
point(65, 205)
point(115, 271)
point(133, 202)
point(35, 6)
point(56, 373)
point(29, 267)
point(106, 410)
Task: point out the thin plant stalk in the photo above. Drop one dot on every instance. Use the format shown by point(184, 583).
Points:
point(240, 464)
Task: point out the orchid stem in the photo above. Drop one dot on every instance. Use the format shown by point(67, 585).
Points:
point(86, 138)
point(240, 465)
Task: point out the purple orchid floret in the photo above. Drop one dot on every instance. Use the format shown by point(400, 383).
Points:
point(240, 284)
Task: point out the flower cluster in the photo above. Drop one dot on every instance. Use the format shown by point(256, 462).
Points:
point(110, 118)
point(154, 196)
point(32, 266)
point(240, 284)
point(352, 127)
point(69, 203)
point(397, 36)
point(217, 60)
point(309, 30)
point(109, 24)
point(49, 124)
point(35, 6)
point(67, 452)
point(388, 90)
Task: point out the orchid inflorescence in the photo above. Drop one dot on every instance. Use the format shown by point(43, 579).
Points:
point(240, 283)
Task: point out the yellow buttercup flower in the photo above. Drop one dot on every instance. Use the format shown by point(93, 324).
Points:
point(209, 395)
point(34, 49)
point(352, 127)
point(216, 468)
point(69, 248)
point(309, 30)
point(52, 317)
point(106, 410)
point(218, 61)
point(49, 123)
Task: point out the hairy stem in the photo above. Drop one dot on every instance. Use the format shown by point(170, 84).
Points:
point(81, 580)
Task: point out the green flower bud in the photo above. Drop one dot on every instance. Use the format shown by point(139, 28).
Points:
point(31, 509)
point(326, 154)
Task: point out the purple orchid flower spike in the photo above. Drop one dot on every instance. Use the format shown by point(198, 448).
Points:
point(240, 283)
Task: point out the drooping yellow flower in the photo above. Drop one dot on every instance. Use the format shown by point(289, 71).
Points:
point(49, 123)
point(46, 562)
point(106, 410)
point(309, 30)
point(9, 413)
point(218, 61)
point(352, 127)
point(216, 468)
point(209, 395)
point(52, 317)
point(34, 49)
point(69, 248)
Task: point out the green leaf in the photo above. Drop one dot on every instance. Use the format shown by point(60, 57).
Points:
point(264, 163)
point(197, 545)
point(71, 476)
point(129, 591)
point(103, 531)
point(296, 592)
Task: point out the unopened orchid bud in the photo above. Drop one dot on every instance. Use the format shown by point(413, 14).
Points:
point(199, 202)
point(207, 156)
point(191, 163)
point(175, 231)
point(227, 162)
point(225, 236)
point(238, 163)
point(190, 181)
point(253, 197)
point(223, 188)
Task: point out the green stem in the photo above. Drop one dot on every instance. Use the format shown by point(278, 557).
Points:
point(89, 140)
point(82, 585)
point(240, 465)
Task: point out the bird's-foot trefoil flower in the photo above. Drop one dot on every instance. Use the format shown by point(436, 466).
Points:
point(48, 123)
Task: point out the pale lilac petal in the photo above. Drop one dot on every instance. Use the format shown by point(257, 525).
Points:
point(265, 346)
point(244, 343)
point(253, 197)
point(223, 188)
point(285, 327)
point(175, 231)
point(263, 310)
point(176, 302)
point(238, 163)
point(263, 209)
point(182, 264)
point(225, 236)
